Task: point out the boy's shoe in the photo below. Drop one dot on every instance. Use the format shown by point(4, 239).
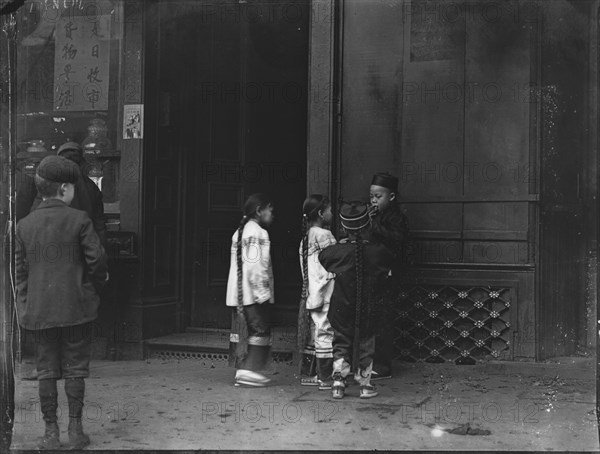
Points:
point(77, 439)
point(338, 387)
point(250, 378)
point(367, 391)
point(325, 385)
point(51, 438)
point(380, 375)
point(309, 381)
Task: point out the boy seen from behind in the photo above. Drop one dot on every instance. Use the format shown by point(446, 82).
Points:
point(60, 268)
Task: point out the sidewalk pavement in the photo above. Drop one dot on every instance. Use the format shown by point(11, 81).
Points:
point(192, 404)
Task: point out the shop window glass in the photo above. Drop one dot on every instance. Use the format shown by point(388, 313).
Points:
point(68, 87)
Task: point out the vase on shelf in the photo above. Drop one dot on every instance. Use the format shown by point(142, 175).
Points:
point(97, 139)
point(36, 146)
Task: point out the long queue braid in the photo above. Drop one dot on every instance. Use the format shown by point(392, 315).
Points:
point(358, 254)
point(304, 256)
point(240, 295)
point(358, 264)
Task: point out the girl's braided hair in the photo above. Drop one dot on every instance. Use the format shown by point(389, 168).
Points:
point(358, 263)
point(310, 212)
point(254, 202)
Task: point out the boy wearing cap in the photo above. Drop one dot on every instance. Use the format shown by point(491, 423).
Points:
point(60, 267)
point(360, 267)
point(389, 227)
point(87, 198)
point(87, 195)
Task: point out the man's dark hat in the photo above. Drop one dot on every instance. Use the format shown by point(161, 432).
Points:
point(70, 146)
point(58, 170)
point(354, 215)
point(385, 180)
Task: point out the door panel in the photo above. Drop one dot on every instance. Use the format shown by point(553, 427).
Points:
point(497, 66)
point(161, 166)
point(247, 121)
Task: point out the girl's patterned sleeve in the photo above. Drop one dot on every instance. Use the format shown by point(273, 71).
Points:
point(257, 250)
point(324, 239)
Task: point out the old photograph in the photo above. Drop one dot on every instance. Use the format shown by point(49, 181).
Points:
point(299, 225)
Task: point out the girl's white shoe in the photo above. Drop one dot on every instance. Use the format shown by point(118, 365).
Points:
point(367, 392)
point(250, 378)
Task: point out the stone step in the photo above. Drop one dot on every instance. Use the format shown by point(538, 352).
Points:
point(213, 345)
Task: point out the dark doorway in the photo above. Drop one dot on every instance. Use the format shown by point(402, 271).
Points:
point(233, 98)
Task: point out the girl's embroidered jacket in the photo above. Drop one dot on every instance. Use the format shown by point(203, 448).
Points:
point(257, 271)
point(320, 282)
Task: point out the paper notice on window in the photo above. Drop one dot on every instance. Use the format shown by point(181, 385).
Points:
point(133, 121)
point(82, 63)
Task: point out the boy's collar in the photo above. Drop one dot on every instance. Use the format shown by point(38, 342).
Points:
point(51, 201)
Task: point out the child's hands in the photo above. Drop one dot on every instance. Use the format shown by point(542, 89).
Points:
point(373, 210)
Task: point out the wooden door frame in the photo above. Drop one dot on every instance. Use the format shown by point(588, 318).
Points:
point(324, 98)
point(323, 105)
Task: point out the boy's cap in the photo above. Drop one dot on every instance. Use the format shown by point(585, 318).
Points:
point(58, 170)
point(70, 146)
point(354, 215)
point(385, 180)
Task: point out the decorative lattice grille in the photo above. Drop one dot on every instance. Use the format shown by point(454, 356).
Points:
point(211, 359)
point(454, 324)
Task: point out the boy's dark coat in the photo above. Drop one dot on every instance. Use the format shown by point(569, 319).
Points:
point(341, 260)
point(60, 267)
point(87, 198)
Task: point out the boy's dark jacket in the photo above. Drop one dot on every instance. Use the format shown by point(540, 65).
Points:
point(390, 228)
point(60, 267)
point(341, 260)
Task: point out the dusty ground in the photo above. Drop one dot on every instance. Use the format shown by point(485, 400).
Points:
point(193, 405)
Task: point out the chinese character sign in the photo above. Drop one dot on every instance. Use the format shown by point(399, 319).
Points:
point(81, 63)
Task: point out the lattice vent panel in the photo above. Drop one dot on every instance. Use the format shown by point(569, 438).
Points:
point(453, 324)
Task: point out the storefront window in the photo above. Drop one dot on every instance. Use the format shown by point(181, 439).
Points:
point(68, 87)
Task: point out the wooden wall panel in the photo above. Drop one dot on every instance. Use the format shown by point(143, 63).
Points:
point(565, 105)
point(463, 141)
point(433, 105)
point(321, 102)
point(132, 89)
point(372, 93)
point(497, 67)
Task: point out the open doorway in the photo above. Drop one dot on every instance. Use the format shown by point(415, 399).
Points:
point(232, 114)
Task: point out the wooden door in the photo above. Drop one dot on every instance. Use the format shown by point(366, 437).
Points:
point(245, 132)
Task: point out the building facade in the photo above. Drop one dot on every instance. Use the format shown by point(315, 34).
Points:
point(486, 111)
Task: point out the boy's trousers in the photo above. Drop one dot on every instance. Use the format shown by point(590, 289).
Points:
point(384, 350)
point(63, 352)
point(343, 361)
point(318, 354)
point(258, 317)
